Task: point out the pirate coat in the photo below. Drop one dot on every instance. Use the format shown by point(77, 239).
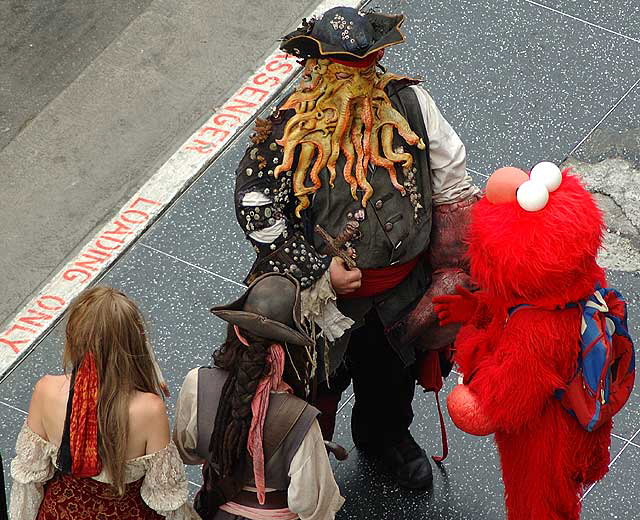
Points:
point(393, 229)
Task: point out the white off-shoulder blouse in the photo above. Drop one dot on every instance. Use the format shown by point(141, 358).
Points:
point(164, 488)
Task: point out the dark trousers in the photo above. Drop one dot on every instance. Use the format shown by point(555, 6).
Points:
point(383, 388)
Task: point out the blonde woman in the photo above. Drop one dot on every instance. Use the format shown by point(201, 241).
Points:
point(96, 441)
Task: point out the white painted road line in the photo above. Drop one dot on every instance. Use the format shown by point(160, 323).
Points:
point(193, 157)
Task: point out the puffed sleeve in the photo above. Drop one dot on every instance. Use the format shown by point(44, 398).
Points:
point(185, 428)
point(31, 468)
point(319, 305)
point(450, 180)
point(313, 493)
point(165, 485)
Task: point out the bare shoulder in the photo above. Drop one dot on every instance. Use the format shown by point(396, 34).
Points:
point(148, 406)
point(148, 421)
point(48, 405)
point(49, 386)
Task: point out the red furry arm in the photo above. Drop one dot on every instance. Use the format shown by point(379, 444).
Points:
point(515, 382)
point(447, 257)
point(473, 342)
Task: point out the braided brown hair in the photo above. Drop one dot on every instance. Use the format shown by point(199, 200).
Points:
point(246, 367)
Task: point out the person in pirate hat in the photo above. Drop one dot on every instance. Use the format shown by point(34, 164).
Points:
point(366, 155)
point(260, 444)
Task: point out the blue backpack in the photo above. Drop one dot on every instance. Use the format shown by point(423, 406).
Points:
point(605, 371)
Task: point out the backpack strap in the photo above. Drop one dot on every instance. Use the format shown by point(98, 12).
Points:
point(516, 308)
point(430, 378)
point(443, 435)
point(512, 310)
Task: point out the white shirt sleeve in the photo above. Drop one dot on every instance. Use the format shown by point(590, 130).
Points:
point(185, 429)
point(313, 493)
point(450, 180)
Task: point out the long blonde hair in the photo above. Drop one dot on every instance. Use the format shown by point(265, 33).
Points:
point(108, 324)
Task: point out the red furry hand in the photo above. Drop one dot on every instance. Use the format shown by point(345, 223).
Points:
point(465, 412)
point(455, 308)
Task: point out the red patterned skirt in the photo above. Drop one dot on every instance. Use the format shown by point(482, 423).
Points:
point(72, 498)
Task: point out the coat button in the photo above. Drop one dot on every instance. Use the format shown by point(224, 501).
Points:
point(388, 226)
point(379, 204)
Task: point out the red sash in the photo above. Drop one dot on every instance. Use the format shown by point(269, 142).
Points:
point(377, 281)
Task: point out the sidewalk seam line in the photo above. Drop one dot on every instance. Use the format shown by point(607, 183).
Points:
point(620, 437)
point(478, 173)
point(582, 20)
point(178, 259)
point(13, 408)
point(624, 96)
point(627, 444)
point(345, 403)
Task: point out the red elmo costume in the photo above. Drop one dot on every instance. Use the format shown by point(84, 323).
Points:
point(513, 364)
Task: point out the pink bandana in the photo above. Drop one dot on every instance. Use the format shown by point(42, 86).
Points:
point(272, 382)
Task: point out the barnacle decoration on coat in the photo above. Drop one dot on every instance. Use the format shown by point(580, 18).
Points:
point(339, 108)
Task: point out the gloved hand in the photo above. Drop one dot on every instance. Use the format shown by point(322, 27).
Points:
point(455, 308)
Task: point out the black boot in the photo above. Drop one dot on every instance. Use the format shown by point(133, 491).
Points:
point(402, 458)
point(407, 462)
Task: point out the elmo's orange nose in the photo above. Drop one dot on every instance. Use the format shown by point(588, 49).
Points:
point(503, 184)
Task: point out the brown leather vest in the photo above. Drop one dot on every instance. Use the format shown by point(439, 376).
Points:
point(287, 422)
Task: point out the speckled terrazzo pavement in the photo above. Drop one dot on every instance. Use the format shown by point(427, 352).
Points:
point(521, 81)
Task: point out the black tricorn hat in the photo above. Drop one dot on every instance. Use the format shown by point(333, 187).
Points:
point(345, 34)
point(270, 308)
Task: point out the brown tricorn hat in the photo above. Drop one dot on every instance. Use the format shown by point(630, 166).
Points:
point(270, 308)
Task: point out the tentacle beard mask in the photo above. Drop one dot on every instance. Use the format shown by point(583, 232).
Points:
point(342, 109)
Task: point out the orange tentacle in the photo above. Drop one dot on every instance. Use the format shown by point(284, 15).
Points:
point(388, 165)
point(349, 154)
point(299, 189)
point(387, 146)
point(361, 173)
point(367, 118)
point(343, 121)
point(390, 115)
point(323, 148)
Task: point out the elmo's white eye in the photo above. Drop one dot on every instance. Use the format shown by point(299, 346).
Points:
point(532, 195)
point(548, 174)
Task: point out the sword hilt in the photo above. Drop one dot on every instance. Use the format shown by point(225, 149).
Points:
point(334, 246)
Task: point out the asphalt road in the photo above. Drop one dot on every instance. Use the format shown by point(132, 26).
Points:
point(94, 97)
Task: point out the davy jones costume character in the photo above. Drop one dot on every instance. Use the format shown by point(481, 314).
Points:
point(275, 466)
point(366, 155)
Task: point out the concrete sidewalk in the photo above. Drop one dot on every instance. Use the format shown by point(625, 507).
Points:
point(94, 97)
